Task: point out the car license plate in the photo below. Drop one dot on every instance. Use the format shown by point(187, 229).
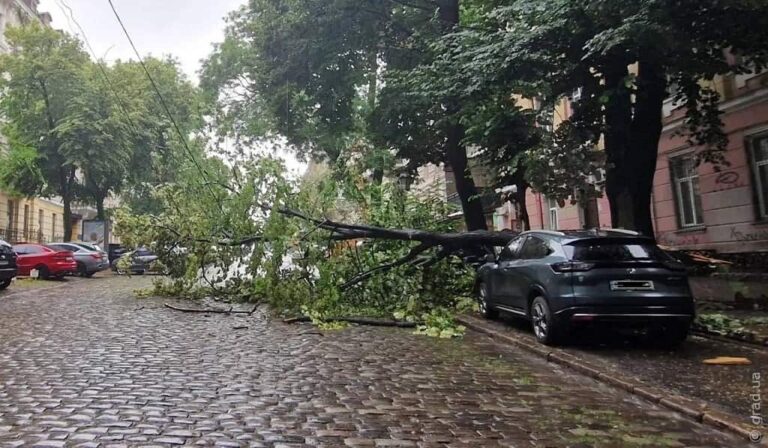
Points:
point(632, 285)
point(3, 263)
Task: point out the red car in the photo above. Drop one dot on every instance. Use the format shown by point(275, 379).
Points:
point(50, 263)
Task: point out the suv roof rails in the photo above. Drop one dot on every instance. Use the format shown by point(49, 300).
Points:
point(624, 231)
point(548, 232)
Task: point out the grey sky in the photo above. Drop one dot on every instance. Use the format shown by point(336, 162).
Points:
point(184, 28)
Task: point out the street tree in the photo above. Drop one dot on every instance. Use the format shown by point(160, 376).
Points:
point(41, 81)
point(626, 58)
point(324, 75)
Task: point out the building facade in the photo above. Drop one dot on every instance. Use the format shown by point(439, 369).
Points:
point(696, 205)
point(26, 219)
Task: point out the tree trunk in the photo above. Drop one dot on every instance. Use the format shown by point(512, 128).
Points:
point(67, 217)
point(646, 133)
point(618, 120)
point(522, 207)
point(101, 215)
point(455, 151)
point(456, 156)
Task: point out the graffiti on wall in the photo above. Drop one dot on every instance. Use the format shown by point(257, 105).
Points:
point(756, 235)
point(728, 180)
point(675, 239)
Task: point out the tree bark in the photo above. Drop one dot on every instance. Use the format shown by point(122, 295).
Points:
point(455, 151)
point(618, 121)
point(520, 196)
point(67, 217)
point(646, 133)
point(101, 214)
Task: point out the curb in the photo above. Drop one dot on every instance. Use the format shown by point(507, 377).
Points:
point(728, 339)
point(694, 409)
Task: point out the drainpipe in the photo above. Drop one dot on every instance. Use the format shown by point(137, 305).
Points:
point(541, 210)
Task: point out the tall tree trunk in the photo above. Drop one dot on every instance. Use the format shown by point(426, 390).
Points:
point(618, 121)
point(455, 151)
point(456, 156)
point(646, 133)
point(67, 217)
point(520, 196)
point(101, 214)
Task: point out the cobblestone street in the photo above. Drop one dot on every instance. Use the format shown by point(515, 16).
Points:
point(87, 364)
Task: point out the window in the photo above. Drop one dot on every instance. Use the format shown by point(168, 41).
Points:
point(12, 212)
point(535, 248)
point(25, 229)
point(53, 227)
point(615, 251)
point(685, 182)
point(759, 159)
point(510, 252)
point(40, 221)
point(553, 218)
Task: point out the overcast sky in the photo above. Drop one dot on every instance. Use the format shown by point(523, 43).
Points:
point(183, 28)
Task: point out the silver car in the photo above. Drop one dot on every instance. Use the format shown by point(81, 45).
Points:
point(89, 258)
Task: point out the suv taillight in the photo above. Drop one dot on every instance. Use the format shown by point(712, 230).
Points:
point(572, 266)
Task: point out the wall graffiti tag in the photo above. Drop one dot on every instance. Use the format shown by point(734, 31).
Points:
point(728, 180)
point(757, 235)
point(673, 239)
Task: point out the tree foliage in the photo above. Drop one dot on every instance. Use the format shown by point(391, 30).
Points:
point(81, 130)
point(239, 245)
point(626, 58)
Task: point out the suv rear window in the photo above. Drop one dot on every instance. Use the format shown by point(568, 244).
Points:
point(616, 251)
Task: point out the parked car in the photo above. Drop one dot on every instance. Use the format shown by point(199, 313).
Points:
point(89, 258)
point(115, 251)
point(559, 280)
point(50, 263)
point(8, 269)
point(141, 262)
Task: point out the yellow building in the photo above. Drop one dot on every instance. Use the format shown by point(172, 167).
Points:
point(30, 220)
point(26, 219)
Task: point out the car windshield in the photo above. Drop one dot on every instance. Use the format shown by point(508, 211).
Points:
point(616, 251)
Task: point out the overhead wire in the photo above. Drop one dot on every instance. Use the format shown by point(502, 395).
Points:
point(163, 103)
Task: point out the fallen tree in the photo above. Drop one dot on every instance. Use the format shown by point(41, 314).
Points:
point(327, 250)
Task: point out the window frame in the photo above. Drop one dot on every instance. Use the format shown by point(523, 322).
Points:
point(553, 210)
point(694, 195)
point(761, 200)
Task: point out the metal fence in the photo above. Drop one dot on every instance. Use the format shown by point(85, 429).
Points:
point(15, 236)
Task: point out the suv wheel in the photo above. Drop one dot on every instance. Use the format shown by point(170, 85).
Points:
point(485, 307)
point(4, 284)
point(546, 328)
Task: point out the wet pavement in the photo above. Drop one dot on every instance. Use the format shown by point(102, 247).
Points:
point(681, 370)
point(87, 364)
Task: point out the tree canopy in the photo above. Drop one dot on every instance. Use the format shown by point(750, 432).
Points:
point(81, 130)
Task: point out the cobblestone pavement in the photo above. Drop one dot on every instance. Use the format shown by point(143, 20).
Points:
point(87, 364)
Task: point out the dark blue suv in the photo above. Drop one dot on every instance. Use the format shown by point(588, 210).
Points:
point(562, 279)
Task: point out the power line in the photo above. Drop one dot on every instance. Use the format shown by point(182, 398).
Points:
point(107, 82)
point(162, 101)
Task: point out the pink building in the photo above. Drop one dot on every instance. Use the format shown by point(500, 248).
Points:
point(697, 207)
